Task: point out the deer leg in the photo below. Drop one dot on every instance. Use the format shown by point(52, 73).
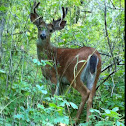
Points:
point(84, 91)
point(54, 81)
point(90, 99)
point(89, 106)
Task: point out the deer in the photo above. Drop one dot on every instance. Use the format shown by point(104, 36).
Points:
point(79, 68)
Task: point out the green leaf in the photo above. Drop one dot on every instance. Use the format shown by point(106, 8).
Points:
point(36, 62)
point(73, 105)
point(40, 88)
point(3, 8)
point(61, 119)
point(119, 123)
point(48, 98)
point(7, 124)
point(19, 116)
point(60, 110)
point(104, 123)
point(49, 63)
point(111, 113)
point(95, 110)
point(115, 109)
point(107, 111)
point(40, 106)
point(84, 124)
point(64, 102)
point(44, 91)
point(106, 83)
point(43, 62)
point(1, 71)
point(52, 105)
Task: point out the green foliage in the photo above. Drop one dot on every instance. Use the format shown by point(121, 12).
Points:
point(34, 106)
point(108, 117)
point(25, 95)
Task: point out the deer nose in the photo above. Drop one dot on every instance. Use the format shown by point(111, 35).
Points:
point(43, 36)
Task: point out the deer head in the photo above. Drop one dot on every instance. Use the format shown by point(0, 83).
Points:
point(45, 30)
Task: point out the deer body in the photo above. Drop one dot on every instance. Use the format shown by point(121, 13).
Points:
point(68, 62)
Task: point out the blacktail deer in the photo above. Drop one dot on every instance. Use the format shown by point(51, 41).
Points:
point(80, 67)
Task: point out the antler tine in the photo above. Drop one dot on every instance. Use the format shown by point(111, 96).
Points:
point(64, 12)
point(63, 16)
point(35, 6)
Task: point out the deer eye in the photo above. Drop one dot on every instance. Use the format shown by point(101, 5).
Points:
point(51, 30)
point(39, 28)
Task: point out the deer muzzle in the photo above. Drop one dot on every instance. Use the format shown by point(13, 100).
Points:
point(43, 35)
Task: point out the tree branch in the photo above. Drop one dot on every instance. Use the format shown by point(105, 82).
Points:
point(106, 79)
point(105, 54)
point(117, 62)
point(111, 51)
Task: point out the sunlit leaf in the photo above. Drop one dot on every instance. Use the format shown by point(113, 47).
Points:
point(73, 105)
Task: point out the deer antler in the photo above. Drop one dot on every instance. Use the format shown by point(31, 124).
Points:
point(60, 23)
point(64, 12)
point(35, 6)
point(35, 18)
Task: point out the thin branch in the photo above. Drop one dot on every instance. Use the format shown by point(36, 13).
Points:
point(107, 67)
point(105, 54)
point(86, 11)
point(9, 103)
point(113, 86)
point(111, 51)
point(121, 64)
point(106, 79)
point(114, 7)
point(122, 9)
point(117, 62)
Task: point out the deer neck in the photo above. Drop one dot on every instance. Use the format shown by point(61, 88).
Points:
point(45, 50)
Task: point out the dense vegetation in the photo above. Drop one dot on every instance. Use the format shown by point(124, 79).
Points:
point(25, 97)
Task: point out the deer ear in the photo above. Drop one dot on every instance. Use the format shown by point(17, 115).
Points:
point(62, 24)
point(33, 18)
point(58, 25)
